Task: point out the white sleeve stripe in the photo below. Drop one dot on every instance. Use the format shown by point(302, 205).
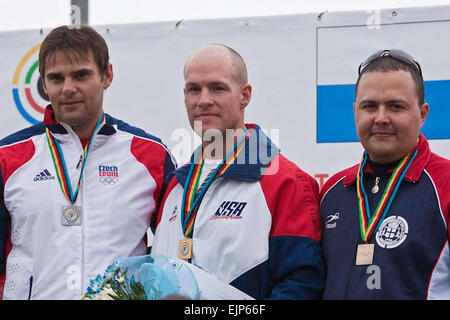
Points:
point(437, 196)
point(330, 189)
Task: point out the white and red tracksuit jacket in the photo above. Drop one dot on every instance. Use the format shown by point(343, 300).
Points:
point(257, 226)
point(39, 257)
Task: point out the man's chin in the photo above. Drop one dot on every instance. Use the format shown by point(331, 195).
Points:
point(206, 129)
point(73, 120)
point(384, 154)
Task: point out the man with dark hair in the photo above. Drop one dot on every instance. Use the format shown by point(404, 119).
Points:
point(252, 222)
point(79, 189)
point(384, 221)
point(390, 63)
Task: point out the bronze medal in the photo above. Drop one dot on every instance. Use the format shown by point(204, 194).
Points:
point(185, 249)
point(364, 254)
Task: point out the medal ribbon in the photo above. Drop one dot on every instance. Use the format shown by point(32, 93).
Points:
point(60, 163)
point(191, 197)
point(369, 224)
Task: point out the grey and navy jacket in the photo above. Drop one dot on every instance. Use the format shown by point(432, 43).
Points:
point(411, 255)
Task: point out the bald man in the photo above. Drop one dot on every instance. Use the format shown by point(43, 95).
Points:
point(250, 219)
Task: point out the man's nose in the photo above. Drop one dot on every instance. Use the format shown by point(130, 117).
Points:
point(382, 115)
point(69, 87)
point(205, 99)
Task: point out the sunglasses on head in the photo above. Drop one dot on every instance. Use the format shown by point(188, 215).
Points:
point(393, 53)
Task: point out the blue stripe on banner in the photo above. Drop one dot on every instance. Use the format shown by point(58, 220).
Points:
point(335, 120)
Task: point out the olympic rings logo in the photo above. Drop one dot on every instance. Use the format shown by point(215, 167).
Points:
point(108, 180)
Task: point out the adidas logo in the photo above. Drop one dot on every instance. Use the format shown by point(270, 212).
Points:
point(44, 175)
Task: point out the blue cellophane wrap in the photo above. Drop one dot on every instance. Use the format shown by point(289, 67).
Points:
point(161, 277)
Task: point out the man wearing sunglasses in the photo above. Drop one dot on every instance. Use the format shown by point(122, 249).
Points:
point(384, 220)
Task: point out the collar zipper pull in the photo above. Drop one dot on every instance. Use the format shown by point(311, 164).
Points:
point(375, 188)
point(79, 162)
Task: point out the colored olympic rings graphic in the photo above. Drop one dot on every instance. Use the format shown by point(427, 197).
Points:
point(28, 90)
point(108, 180)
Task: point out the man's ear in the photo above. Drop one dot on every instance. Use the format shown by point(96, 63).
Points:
point(246, 95)
point(44, 87)
point(108, 76)
point(423, 113)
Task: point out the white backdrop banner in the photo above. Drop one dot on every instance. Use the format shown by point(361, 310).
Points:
point(303, 70)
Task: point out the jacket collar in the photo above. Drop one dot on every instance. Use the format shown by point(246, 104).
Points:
point(251, 162)
point(415, 170)
point(56, 127)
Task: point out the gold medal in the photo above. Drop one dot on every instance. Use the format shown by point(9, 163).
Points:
point(185, 249)
point(364, 254)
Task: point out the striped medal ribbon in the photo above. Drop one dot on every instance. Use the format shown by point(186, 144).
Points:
point(60, 163)
point(191, 198)
point(369, 224)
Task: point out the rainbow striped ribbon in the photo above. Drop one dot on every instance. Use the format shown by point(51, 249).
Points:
point(60, 163)
point(191, 198)
point(370, 224)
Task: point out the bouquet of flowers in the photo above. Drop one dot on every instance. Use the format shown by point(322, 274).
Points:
point(155, 277)
point(149, 277)
point(114, 285)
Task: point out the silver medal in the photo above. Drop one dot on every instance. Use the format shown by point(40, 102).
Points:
point(71, 216)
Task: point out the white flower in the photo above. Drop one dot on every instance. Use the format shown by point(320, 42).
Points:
point(106, 294)
point(109, 273)
point(120, 279)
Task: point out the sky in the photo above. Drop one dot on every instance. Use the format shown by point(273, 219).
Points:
point(32, 14)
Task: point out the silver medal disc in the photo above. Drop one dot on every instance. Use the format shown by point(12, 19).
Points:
point(71, 216)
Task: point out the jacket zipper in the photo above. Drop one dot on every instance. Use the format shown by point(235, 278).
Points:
point(83, 221)
point(349, 276)
point(83, 214)
point(82, 271)
point(83, 208)
point(31, 287)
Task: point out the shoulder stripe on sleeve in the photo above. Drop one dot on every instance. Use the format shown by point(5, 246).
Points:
point(438, 198)
point(328, 189)
point(15, 155)
point(23, 135)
